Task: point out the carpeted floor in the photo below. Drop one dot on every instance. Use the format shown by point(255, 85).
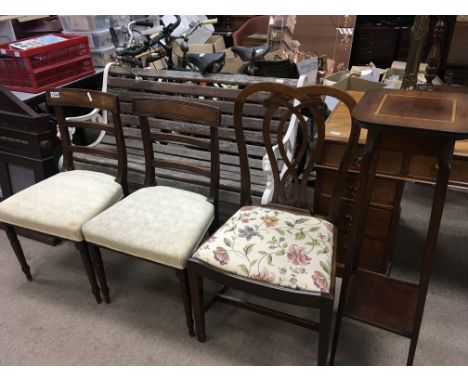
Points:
point(55, 321)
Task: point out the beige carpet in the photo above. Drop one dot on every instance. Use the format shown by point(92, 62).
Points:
point(55, 321)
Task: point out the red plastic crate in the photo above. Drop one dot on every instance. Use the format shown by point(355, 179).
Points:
point(34, 70)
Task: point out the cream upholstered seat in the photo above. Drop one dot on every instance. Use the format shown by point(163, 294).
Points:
point(61, 204)
point(275, 247)
point(161, 224)
point(164, 225)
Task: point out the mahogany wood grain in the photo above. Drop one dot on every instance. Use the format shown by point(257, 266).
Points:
point(296, 176)
point(368, 296)
point(59, 98)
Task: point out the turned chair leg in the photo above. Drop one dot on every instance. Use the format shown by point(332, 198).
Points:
point(326, 313)
point(86, 259)
point(184, 288)
point(98, 265)
point(196, 291)
point(15, 244)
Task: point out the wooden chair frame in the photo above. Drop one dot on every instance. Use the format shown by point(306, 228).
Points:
point(189, 111)
point(310, 101)
point(58, 98)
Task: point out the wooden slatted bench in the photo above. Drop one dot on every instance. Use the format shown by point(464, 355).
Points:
point(166, 84)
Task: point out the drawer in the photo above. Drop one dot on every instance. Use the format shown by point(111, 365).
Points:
point(376, 51)
point(384, 191)
point(373, 255)
point(389, 162)
point(425, 168)
point(378, 222)
point(369, 42)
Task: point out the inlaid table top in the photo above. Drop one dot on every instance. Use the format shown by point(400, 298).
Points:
point(430, 112)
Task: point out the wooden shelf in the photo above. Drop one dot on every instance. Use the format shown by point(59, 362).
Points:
point(382, 301)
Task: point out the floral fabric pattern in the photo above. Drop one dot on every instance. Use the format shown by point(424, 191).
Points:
point(275, 247)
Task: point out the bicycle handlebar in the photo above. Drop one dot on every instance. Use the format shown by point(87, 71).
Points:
point(144, 23)
point(131, 55)
point(172, 26)
point(114, 37)
point(209, 21)
point(194, 27)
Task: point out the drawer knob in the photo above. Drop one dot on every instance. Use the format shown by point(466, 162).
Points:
point(348, 220)
point(353, 190)
point(45, 145)
point(358, 161)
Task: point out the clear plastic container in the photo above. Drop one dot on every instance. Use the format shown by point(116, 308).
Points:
point(154, 18)
point(102, 56)
point(119, 20)
point(98, 39)
point(85, 23)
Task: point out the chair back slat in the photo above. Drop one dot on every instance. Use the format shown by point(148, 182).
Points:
point(292, 166)
point(162, 163)
point(178, 110)
point(93, 151)
point(203, 138)
point(60, 98)
point(83, 98)
point(171, 137)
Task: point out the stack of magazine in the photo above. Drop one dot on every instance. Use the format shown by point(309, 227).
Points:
point(36, 42)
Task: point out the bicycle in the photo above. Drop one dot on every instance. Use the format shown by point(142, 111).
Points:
point(256, 65)
point(159, 46)
point(148, 49)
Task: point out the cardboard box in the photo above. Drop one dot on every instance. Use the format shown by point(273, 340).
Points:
point(335, 77)
point(308, 68)
point(232, 64)
point(358, 84)
point(345, 81)
point(402, 66)
point(276, 55)
point(393, 78)
point(369, 72)
point(215, 43)
point(281, 35)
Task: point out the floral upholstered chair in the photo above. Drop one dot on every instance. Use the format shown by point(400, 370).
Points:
point(60, 205)
point(160, 224)
point(278, 251)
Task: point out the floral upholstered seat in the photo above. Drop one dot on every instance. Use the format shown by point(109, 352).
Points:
point(275, 247)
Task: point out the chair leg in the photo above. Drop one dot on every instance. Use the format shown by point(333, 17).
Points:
point(98, 265)
point(86, 259)
point(196, 291)
point(339, 318)
point(184, 288)
point(15, 244)
point(326, 313)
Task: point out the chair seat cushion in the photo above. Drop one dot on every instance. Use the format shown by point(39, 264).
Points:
point(275, 247)
point(161, 224)
point(61, 204)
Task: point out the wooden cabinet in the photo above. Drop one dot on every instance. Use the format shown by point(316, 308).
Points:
point(383, 214)
point(378, 45)
point(384, 39)
point(384, 210)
